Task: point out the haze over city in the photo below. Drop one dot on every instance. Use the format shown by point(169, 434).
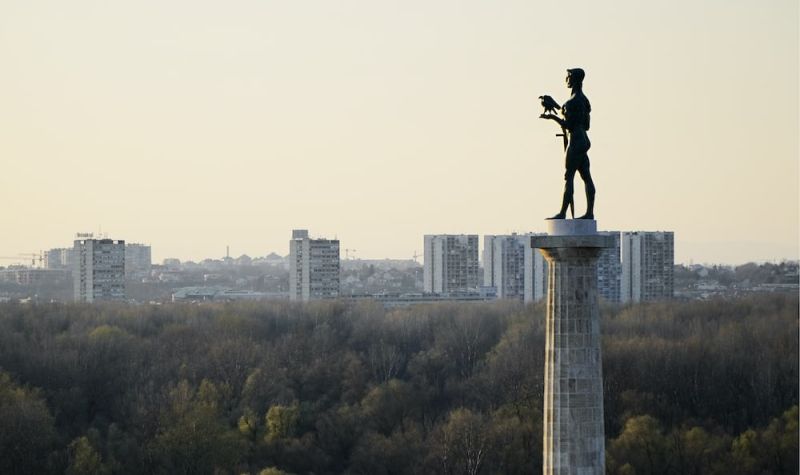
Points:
point(196, 125)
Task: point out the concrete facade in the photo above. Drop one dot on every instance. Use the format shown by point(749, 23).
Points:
point(61, 258)
point(313, 267)
point(609, 271)
point(98, 270)
point(647, 260)
point(513, 268)
point(508, 266)
point(138, 260)
point(488, 259)
point(31, 276)
point(451, 263)
point(573, 430)
point(536, 270)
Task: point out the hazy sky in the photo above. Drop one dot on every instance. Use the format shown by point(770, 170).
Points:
point(192, 125)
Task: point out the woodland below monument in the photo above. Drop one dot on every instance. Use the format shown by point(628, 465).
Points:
point(700, 387)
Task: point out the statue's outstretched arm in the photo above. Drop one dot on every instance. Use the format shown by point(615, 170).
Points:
point(556, 118)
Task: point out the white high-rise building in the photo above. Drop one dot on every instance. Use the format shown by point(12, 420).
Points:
point(488, 259)
point(138, 261)
point(609, 271)
point(313, 267)
point(60, 258)
point(648, 260)
point(451, 263)
point(98, 270)
point(514, 268)
point(536, 269)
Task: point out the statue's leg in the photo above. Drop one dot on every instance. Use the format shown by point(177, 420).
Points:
point(590, 190)
point(566, 200)
point(569, 190)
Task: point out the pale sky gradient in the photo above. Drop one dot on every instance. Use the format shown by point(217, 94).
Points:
point(192, 125)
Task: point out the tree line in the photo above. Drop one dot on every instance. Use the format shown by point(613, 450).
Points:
point(342, 387)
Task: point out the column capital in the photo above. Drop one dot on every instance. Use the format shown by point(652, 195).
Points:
point(585, 241)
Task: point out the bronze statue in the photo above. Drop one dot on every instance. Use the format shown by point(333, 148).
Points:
point(574, 126)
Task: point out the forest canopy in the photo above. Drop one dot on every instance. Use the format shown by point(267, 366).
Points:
point(342, 387)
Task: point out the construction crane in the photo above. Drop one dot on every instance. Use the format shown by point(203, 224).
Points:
point(31, 255)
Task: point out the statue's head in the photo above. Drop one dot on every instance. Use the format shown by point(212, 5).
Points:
point(575, 77)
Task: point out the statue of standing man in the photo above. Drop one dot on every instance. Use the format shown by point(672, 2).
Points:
point(574, 126)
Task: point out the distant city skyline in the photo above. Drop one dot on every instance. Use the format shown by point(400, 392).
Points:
point(157, 258)
point(192, 126)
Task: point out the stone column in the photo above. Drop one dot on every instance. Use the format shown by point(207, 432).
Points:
point(574, 435)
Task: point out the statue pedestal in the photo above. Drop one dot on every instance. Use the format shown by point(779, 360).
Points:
point(574, 435)
point(571, 227)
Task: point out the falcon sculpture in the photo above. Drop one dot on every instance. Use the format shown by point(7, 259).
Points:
point(550, 105)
